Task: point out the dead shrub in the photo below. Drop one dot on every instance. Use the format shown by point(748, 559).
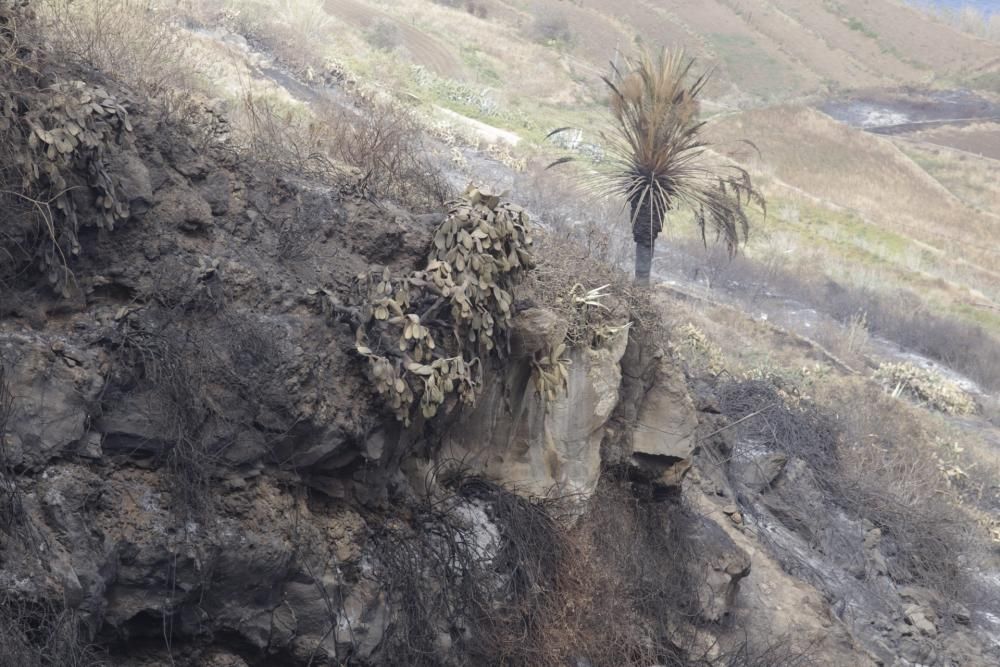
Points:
point(596, 305)
point(614, 582)
point(485, 587)
point(135, 42)
point(636, 592)
point(635, 599)
point(381, 141)
point(775, 417)
point(207, 386)
point(280, 137)
point(41, 634)
point(904, 319)
point(552, 27)
point(383, 34)
point(386, 143)
point(597, 226)
point(572, 232)
point(477, 9)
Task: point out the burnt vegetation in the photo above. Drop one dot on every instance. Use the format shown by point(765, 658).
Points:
point(57, 136)
point(545, 581)
point(861, 459)
point(204, 390)
point(43, 634)
point(472, 569)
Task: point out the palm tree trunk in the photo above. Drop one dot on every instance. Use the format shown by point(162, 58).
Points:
point(645, 228)
point(643, 263)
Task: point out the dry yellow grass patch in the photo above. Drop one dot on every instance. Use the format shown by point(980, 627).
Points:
point(974, 179)
point(843, 167)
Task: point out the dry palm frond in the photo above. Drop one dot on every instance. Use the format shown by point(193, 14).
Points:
point(656, 151)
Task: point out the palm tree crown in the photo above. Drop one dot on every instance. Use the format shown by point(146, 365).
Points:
point(656, 158)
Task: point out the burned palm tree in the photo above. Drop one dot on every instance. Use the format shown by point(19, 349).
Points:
point(656, 157)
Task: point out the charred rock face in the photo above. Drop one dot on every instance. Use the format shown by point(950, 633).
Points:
point(195, 463)
point(196, 467)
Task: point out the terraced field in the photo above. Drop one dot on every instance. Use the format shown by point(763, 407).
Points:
point(421, 47)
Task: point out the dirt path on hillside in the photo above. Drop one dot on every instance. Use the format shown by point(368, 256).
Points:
point(423, 49)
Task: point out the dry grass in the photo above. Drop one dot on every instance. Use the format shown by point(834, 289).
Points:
point(854, 208)
point(298, 32)
point(973, 179)
point(382, 142)
point(921, 481)
point(890, 474)
point(967, 18)
point(958, 335)
point(137, 43)
point(150, 51)
point(850, 169)
point(876, 459)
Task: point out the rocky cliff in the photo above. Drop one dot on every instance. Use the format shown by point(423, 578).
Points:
point(212, 453)
point(197, 466)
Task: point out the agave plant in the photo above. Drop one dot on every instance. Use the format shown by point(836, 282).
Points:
point(656, 156)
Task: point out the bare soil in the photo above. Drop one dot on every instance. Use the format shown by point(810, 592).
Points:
point(908, 108)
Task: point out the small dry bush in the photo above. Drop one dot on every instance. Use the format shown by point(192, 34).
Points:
point(599, 227)
point(280, 136)
point(904, 319)
point(383, 34)
point(696, 350)
point(204, 387)
point(615, 582)
point(924, 386)
point(381, 141)
point(583, 247)
point(487, 588)
point(552, 27)
point(39, 634)
point(595, 304)
point(135, 42)
point(637, 592)
point(386, 143)
point(11, 511)
point(473, 7)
